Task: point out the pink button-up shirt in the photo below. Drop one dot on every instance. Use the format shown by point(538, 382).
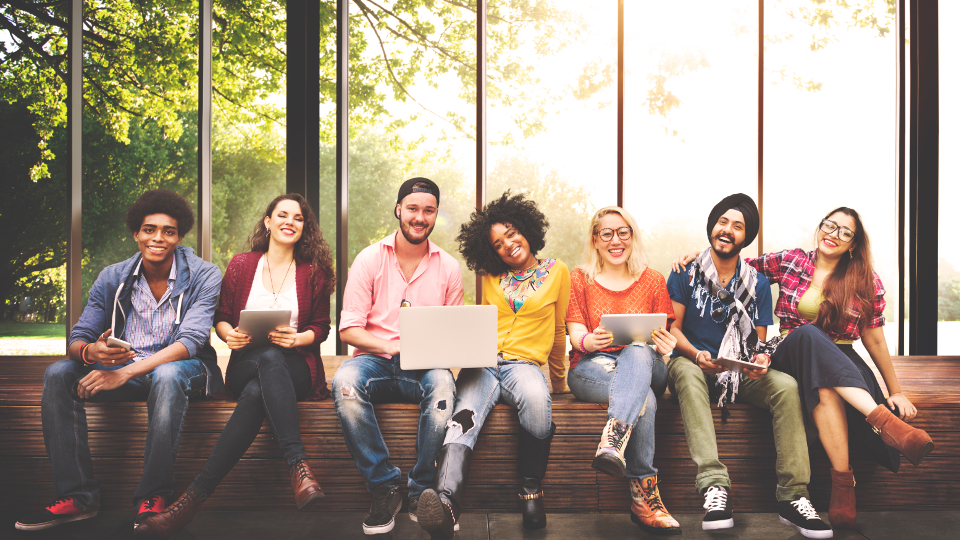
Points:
point(376, 286)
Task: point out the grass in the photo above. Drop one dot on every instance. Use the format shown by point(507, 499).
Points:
point(20, 330)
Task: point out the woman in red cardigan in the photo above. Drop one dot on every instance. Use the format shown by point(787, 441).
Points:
point(289, 267)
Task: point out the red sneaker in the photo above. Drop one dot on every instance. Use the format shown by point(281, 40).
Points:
point(62, 511)
point(150, 506)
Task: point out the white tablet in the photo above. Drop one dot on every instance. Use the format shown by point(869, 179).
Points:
point(260, 322)
point(627, 328)
point(736, 365)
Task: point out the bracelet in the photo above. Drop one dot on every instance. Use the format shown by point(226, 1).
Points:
point(83, 355)
point(696, 359)
point(583, 337)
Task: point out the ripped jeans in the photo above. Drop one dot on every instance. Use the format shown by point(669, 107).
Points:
point(365, 380)
point(625, 379)
point(515, 383)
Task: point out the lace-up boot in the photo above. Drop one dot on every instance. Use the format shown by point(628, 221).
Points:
point(174, 517)
point(613, 441)
point(62, 511)
point(801, 515)
point(305, 486)
point(647, 510)
point(716, 503)
point(532, 456)
point(913, 443)
point(439, 509)
point(843, 500)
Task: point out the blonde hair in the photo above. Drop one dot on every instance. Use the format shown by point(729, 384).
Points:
point(593, 263)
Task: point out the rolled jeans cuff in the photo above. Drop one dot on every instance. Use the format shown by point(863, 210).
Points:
point(712, 478)
point(792, 493)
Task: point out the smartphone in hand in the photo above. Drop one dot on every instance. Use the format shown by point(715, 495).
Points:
point(114, 342)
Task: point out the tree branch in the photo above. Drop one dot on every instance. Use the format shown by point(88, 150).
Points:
point(47, 18)
point(34, 46)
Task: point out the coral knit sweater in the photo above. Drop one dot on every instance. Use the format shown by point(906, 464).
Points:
point(313, 313)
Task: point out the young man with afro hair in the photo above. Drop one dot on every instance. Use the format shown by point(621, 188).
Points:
point(160, 302)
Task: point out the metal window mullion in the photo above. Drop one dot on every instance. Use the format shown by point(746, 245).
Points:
point(481, 120)
point(75, 131)
point(205, 134)
point(343, 153)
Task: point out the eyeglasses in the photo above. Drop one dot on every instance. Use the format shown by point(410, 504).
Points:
point(623, 232)
point(829, 226)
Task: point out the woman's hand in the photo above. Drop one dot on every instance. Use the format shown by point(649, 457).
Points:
point(664, 341)
point(907, 410)
point(598, 339)
point(235, 339)
point(284, 336)
point(680, 264)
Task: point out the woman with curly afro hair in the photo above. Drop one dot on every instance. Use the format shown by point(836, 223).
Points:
point(268, 379)
point(501, 243)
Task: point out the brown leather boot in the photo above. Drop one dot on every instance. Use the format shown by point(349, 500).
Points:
point(305, 486)
point(913, 443)
point(173, 518)
point(647, 510)
point(843, 500)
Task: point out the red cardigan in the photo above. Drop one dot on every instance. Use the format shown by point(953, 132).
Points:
point(313, 312)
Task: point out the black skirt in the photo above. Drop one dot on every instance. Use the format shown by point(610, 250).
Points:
point(815, 361)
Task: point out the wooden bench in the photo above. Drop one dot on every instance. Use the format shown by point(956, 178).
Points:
point(117, 432)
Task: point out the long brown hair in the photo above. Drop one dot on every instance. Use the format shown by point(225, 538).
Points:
point(311, 248)
point(850, 289)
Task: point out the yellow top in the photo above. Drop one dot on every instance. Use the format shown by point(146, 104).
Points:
point(536, 333)
point(809, 307)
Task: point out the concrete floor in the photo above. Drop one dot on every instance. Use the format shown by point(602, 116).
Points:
point(346, 525)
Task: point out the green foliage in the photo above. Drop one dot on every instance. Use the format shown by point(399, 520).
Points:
point(948, 292)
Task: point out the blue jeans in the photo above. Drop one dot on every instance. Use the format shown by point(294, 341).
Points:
point(367, 379)
point(624, 380)
point(513, 382)
point(166, 389)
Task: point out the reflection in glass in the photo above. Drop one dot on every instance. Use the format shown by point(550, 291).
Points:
point(948, 269)
point(690, 118)
point(830, 131)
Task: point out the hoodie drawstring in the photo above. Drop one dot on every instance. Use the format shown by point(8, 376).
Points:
point(179, 303)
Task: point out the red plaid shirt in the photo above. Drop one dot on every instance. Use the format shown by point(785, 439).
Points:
point(793, 271)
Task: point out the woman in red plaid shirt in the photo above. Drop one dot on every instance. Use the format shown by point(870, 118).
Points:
point(829, 298)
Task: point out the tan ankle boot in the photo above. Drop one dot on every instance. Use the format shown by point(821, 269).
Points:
point(913, 443)
point(613, 442)
point(647, 510)
point(306, 489)
point(843, 500)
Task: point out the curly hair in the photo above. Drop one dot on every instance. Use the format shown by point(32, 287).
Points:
point(161, 201)
point(311, 248)
point(515, 210)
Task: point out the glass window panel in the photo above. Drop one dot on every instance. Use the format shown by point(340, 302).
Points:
point(34, 168)
point(140, 118)
point(412, 100)
point(830, 130)
point(553, 112)
point(948, 327)
point(690, 118)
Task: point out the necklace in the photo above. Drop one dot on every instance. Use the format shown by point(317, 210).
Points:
point(523, 274)
point(276, 293)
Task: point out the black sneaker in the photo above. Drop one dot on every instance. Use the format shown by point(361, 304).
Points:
point(412, 507)
point(718, 516)
point(801, 515)
point(62, 511)
point(386, 503)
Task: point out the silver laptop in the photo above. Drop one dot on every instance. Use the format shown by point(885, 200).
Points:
point(448, 337)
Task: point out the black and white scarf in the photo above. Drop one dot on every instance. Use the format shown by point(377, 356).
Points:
point(740, 341)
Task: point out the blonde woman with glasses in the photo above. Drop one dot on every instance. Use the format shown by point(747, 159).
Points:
point(614, 278)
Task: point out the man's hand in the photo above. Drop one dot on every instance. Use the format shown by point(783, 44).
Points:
point(708, 367)
point(755, 374)
point(100, 352)
point(100, 380)
point(393, 347)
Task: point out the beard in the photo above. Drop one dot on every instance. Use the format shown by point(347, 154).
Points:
point(735, 252)
point(407, 232)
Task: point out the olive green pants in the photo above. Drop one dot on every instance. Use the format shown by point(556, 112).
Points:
point(777, 392)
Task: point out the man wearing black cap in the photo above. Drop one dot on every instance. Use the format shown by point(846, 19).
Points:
point(403, 269)
point(723, 308)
